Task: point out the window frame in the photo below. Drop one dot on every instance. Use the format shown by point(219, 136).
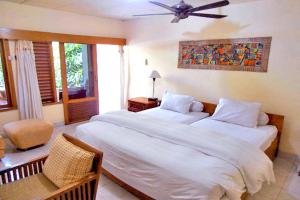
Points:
point(8, 77)
point(70, 104)
point(91, 69)
point(17, 34)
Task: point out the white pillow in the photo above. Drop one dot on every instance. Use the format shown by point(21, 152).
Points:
point(175, 102)
point(237, 112)
point(196, 106)
point(263, 119)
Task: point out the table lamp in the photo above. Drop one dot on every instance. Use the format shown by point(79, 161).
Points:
point(154, 75)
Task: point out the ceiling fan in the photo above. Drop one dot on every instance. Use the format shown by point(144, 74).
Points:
point(183, 10)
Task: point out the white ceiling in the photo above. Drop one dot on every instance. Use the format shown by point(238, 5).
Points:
point(118, 9)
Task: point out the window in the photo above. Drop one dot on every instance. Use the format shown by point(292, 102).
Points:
point(80, 93)
point(5, 98)
point(57, 69)
point(45, 71)
point(80, 80)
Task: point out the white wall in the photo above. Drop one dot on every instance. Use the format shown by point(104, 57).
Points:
point(39, 19)
point(156, 39)
point(20, 16)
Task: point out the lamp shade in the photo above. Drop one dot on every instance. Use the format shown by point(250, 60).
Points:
point(154, 74)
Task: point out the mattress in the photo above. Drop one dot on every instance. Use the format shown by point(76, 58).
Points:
point(261, 137)
point(172, 116)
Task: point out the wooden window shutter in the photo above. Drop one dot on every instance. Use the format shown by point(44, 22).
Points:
point(45, 71)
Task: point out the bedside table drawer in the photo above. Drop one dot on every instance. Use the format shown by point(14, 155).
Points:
point(132, 109)
point(135, 107)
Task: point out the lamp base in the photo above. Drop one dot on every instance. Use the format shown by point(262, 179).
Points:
point(152, 99)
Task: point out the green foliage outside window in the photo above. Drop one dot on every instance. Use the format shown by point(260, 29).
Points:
point(74, 65)
point(1, 74)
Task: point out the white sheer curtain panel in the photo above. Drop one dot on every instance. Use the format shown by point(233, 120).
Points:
point(28, 92)
point(112, 77)
point(124, 76)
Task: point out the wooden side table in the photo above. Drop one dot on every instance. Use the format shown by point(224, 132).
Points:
point(140, 103)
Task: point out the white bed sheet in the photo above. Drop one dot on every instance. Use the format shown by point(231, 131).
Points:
point(172, 116)
point(262, 136)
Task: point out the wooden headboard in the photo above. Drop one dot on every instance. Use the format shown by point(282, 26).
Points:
point(275, 120)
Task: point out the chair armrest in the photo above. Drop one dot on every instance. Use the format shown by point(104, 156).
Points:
point(21, 171)
point(85, 187)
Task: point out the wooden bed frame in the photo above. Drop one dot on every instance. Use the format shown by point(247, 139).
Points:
point(271, 152)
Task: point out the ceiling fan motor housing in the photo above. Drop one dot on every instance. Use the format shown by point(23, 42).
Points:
point(182, 9)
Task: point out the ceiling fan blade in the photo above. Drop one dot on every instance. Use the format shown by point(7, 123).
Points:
point(153, 14)
point(175, 20)
point(209, 6)
point(207, 15)
point(163, 5)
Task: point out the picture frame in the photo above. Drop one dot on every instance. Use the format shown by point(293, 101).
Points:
point(241, 54)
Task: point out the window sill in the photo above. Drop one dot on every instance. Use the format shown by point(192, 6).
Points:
point(52, 103)
point(7, 109)
point(15, 108)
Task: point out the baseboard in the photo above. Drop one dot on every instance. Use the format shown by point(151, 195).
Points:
point(58, 124)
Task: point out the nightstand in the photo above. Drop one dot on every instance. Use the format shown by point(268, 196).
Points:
point(140, 103)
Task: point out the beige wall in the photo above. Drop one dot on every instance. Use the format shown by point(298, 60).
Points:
point(53, 113)
point(34, 18)
point(156, 39)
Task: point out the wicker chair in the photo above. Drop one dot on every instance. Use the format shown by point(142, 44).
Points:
point(85, 188)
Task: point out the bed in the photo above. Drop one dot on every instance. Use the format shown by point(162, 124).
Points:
point(134, 166)
point(185, 118)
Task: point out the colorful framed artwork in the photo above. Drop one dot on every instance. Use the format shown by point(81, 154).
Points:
point(243, 54)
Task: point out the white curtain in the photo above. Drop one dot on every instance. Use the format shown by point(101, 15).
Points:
point(124, 76)
point(112, 77)
point(28, 92)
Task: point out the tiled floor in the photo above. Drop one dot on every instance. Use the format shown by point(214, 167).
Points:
point(287, 186)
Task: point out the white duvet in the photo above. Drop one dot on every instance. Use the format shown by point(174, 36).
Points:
point(176, 161)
